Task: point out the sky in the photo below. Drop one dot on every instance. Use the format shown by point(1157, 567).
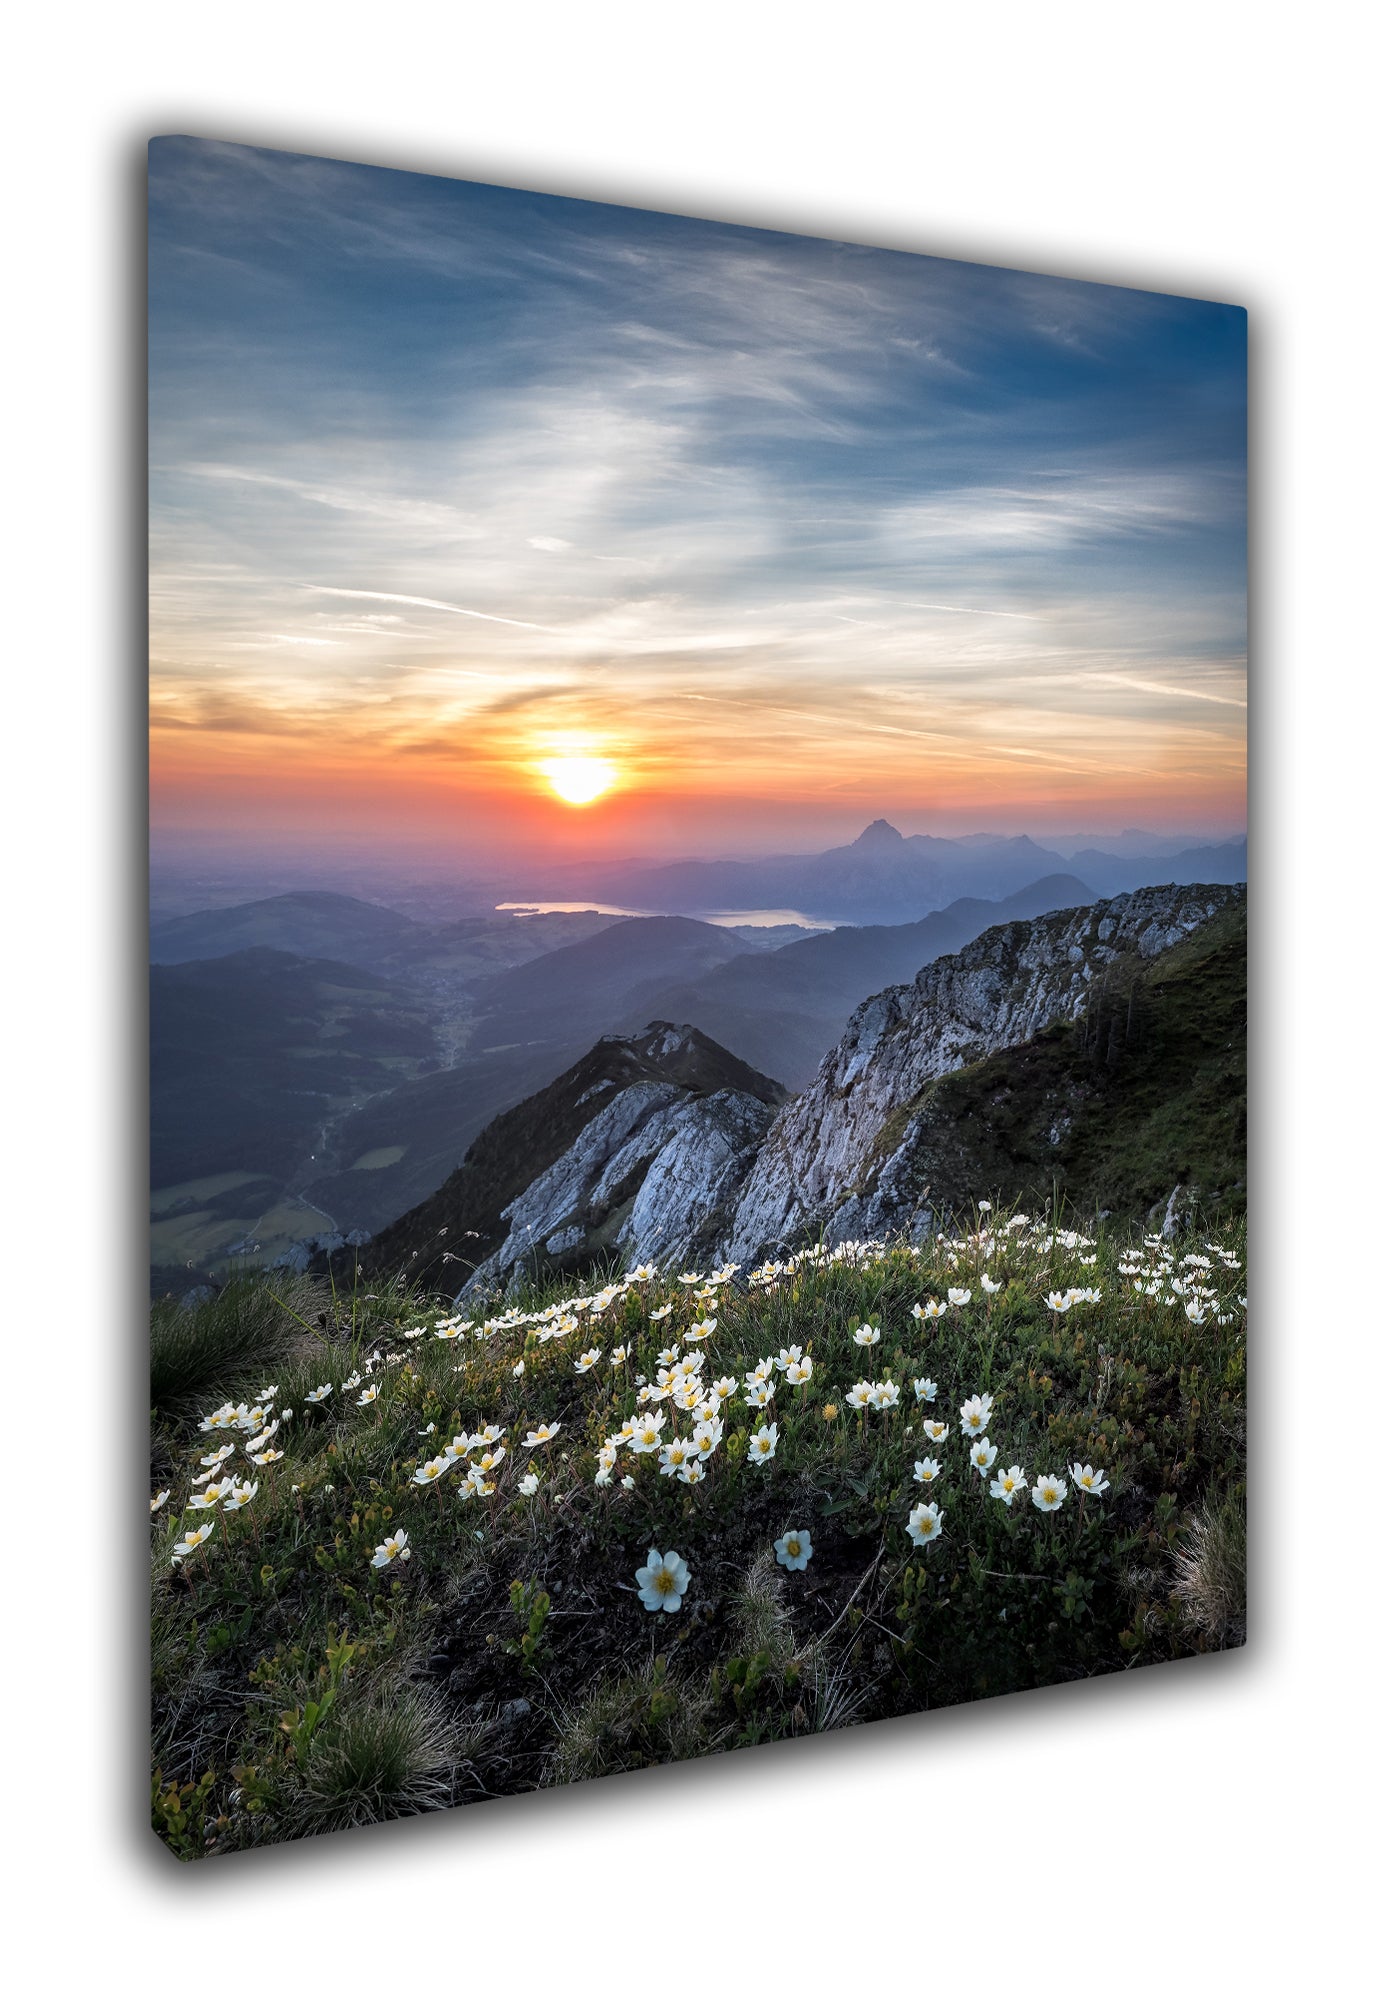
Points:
point(451, 484)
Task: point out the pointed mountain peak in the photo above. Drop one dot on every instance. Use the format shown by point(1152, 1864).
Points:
point(879, 834)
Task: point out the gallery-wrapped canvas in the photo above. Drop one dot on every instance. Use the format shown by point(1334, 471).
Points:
point(697, 988)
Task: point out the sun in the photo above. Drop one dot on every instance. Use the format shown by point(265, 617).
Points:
point(579, 779)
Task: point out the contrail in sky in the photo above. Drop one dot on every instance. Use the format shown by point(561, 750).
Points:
point(428, 603)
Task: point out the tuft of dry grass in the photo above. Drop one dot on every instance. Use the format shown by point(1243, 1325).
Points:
point(1212, 1571)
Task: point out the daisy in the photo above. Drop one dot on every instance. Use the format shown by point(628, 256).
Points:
point(692, 1471)
point(207, 1498)
point(936, 1430)
point(925, 1389)
point(793, 1549)
point(157, 1502)
point(699, 1331)
point(221, 1455)
point(663, 1581)
point(318, 1394)
point(925, 1523)
point(1049, 1493)
point(790, 1355)
point(724, 1389)
point(644, 1439)
point(975, 1413)
point(269, 1455)
point(706, 1436)
point(432, 1471)
point(1092, 1480)
point(1008, 1483)
point(370, 1394)
point(990, 1287)
point(760, 1393)
point(240, 1494)
point(860, 1395)
point(393, 1548)
point(588, 1359)
point(984, 1455)
point(657, 1315)
point(958, 1297)
point(930, 1310)
point(528, 1484)
point(189, 1544)
point(866, 1335)
point(763, 1443)
point(927, 1470)
point(674, 1455)
point(799, 1372)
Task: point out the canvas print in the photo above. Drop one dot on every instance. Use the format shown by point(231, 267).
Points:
point(697, 988)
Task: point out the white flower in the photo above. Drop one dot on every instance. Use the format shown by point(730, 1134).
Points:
point(619, 1354)
point(588, 1359)
point(371, 1393)
point(516, 1370)
point(193, 1539)
point(674, 1455)
point(936, 1430)
point(221, 1455)
point(799, 1371)
point(789, 1355)
point(350, 1384)
point(975, 1413)
point(393, 1548)
point(959, 1296)
point(760, 1393)
point(884, 1393)
point(984, 1205)
point(627, 1482)
point(240, 1494)
point(925, 1523)
point(1092, 1480)
point(925, 1389)
point(157, 1502)
point(538, 1437)
point(205, 1499)
point(431, 1471)
point(861, 1395)
point(644, 1440)
point(984, 1455)
point(692, 1471)
point(1049, 1493)
point(318, 1394)
point(763, 1443)
point(990, 1287)
point(1008, 1483)
point(528, 1484)
point(699, 1331)
point(663, 1581)
point(930, 1310)
point(793, 1549)
point(867, 1334)
point(927, 1470)
point(657, 1315)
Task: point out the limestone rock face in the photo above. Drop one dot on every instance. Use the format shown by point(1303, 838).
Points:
point(654, 1176)
point(837, 1157)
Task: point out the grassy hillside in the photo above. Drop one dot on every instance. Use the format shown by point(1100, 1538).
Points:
point(1145, 1093)
point(305, 1679)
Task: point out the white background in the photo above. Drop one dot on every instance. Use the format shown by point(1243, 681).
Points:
point(1191, 1828)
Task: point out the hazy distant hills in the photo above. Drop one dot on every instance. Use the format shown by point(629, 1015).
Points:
point(579, 992)
point(782, 1011)
point(883, 877)
point(336, 927)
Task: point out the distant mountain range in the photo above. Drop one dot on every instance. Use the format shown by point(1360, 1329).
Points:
point(883, 877)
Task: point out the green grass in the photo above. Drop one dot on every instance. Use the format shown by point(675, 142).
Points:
point(297, 1688)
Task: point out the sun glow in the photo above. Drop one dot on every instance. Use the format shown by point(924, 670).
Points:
point(579, 779)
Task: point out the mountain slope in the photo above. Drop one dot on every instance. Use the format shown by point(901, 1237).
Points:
point(783, 1010)
point(1145, 1092)
point(463, 1221)
point(832, 1156)
point(578, 993)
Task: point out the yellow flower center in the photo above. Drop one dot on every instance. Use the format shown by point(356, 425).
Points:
point(664, 1581)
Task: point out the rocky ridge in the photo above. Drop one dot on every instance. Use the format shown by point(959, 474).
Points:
point(837, 1157)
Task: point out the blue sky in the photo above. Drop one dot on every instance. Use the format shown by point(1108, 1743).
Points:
point(447, 478)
